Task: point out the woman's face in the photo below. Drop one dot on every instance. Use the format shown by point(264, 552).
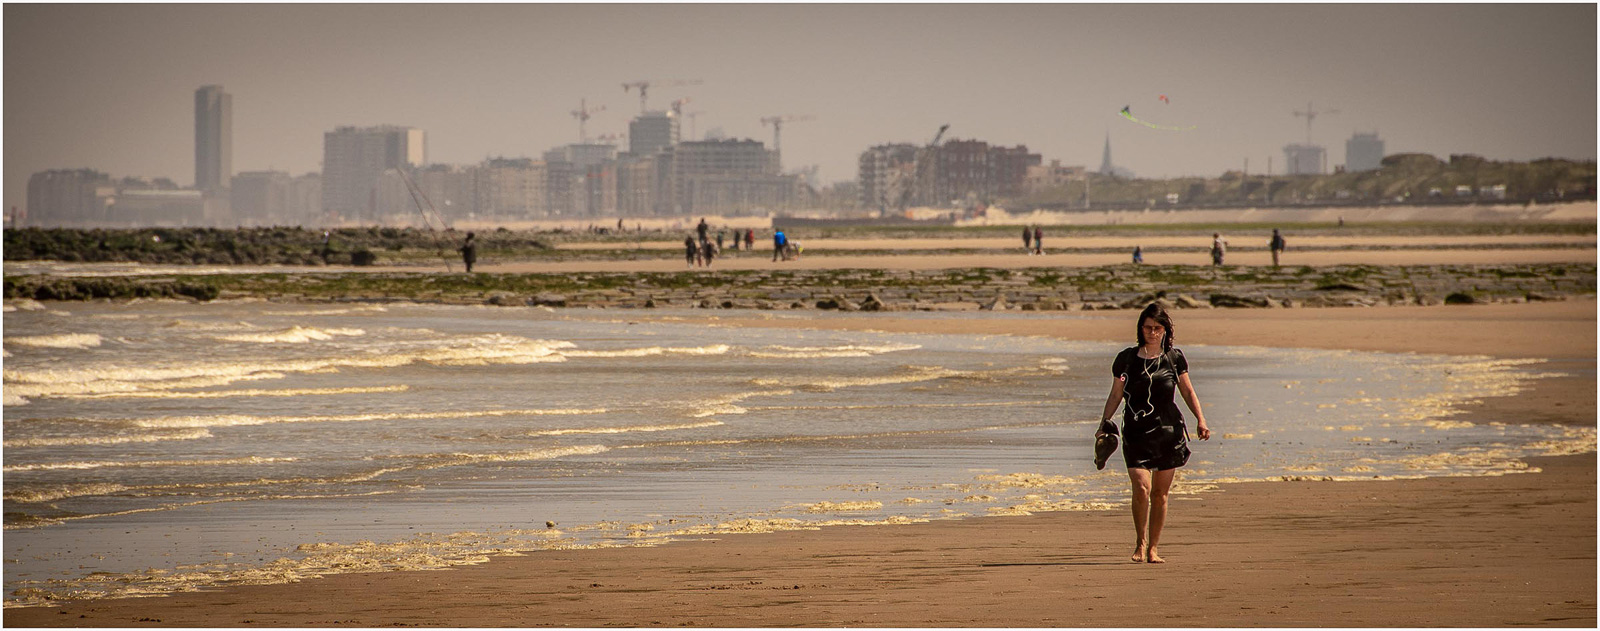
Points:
point(1152, 331)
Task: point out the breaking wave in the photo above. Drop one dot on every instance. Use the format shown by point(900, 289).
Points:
point(713, 349)
point(914, 375)
point(292, 335)
point(61, 441)
point(235, 420)
point(67, 340)
point(480, 350)
point(625, 430)
point(851, 350)
point(101, 464)
point(223, 394)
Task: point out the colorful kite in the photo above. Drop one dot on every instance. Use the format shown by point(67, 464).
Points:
point(1129, 115)
point(1164, 99)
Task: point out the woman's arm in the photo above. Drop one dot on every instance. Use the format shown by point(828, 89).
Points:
point(1115, 400)
point(1193, 400)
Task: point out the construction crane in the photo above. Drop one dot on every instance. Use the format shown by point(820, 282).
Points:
point(777, 126)
point(918, 165)
point(583, 113)
point(1311, 115)
point(693, 115)
point(644, 88)
point(677, 106)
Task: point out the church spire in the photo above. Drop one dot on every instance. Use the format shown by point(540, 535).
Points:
point(1105, 162)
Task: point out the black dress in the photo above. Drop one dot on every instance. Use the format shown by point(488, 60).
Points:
point(1153, 434)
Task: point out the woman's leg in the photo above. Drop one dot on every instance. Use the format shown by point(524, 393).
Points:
point(1159, 487)
point(1141, 509)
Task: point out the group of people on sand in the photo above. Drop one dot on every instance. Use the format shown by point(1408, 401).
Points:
point(699, 249)
point(1032, 240)
point(1219, 248)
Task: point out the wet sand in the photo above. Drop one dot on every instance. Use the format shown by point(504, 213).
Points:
point(1499, 551)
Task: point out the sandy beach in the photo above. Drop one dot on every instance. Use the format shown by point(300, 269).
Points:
point(1148, 241)
point(761, 260)
point(1487, 551)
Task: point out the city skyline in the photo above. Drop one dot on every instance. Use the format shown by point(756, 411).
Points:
point(110, 87)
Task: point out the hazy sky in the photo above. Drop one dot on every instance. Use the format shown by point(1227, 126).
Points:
point(111, 87)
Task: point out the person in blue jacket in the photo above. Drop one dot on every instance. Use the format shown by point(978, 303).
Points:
point(778, 242)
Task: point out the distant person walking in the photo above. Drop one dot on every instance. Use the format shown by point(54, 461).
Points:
point(1038, 241)
point(1276, 245)
point(749, 239)
point(469, 252)
point(1027, 240)
point(1219, 247)
point(702, 228)
point(1155, 441)
point(708, 251)
point(778, 243)
point(691, 252)
point(1138, 255)
point(719, 238)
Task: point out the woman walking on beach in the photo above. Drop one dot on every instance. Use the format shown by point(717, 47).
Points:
point(1154, 439)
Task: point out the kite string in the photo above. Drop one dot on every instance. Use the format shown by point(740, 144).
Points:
point(1129, 115)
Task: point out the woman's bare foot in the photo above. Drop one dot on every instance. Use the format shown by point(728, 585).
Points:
point(1138, 553)
point(1152, 557)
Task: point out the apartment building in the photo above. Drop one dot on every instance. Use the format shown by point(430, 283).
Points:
point(68, 197)
point(883, 172)
point(354, 160)
point(1363, 152)
point(728, 177)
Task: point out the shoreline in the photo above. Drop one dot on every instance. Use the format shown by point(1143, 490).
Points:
point(1341, 553)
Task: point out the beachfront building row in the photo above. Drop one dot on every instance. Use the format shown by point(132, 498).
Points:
point(954, 173)
point(85, 198)
point(718, 177)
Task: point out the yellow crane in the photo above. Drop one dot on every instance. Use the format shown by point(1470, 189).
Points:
point(644, 88)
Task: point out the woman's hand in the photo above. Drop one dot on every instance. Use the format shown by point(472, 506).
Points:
point(1204, 431)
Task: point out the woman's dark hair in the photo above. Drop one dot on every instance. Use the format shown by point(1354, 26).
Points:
point(1159, 313)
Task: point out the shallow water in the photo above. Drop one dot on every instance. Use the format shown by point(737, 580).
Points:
point(161, 446)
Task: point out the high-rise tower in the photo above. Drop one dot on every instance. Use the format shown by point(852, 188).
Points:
point(213, 138)
point(652, 131)
point(1363, 152)
point(354, 159)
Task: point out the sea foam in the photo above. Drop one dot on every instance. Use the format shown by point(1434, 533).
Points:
point(67, 340)
point(101, 464)
point(62, 441)
point(292, 335)
point(235, 420)
point(819, 352)
point(477, 350)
